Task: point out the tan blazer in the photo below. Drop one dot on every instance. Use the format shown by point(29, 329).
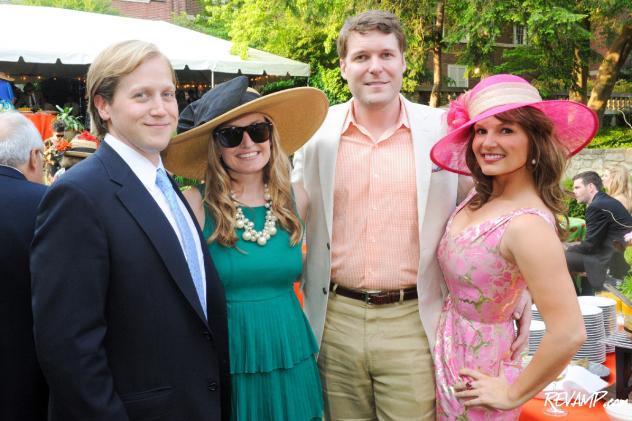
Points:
point(314, 166)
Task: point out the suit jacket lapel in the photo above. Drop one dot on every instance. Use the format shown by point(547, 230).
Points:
point(328, 154)
point(148, 215)
point(421, 130)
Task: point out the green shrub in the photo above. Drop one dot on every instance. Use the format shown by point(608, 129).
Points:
point(280, 85)
point(612, 137)
point(185, 183)
point(575, 210)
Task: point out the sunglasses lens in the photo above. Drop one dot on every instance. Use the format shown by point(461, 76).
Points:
point(229, 137)
point(259, 132)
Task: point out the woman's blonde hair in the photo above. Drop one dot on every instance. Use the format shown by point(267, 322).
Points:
point(276, 174)
point(619, 185)
point(107, 69)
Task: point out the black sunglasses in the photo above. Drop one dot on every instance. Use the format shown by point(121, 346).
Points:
point(231, 137)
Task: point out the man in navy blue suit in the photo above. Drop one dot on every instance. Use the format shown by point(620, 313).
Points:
point(23, 391)
point(129, 313)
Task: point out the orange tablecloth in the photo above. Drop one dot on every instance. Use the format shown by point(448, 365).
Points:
point(43, 122)
point(534, 409)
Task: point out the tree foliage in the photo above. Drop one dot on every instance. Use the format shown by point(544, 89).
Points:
point(96, 6)
point(556, 55)
point(306, 30)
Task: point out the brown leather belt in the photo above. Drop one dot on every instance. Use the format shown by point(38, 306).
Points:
point(377, 298)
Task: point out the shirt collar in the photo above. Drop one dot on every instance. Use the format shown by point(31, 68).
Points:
point(144, 169)
point(402, 120)
point(13, 168)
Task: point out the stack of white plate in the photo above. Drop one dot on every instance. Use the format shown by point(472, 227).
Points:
point(536, 332)
point(535, 314)
point(594, 349)
point(609, 308)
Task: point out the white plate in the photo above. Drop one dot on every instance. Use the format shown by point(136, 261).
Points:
point(588, 310)
point(597, 301)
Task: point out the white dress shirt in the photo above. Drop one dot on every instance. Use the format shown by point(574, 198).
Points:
point(146, 172)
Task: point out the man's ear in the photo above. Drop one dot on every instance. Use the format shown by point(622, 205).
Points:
point(343, 69)
point(103, 107)
point(34, 168)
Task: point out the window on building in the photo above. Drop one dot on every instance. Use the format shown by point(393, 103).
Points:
point(456, 76)
point(519, 34)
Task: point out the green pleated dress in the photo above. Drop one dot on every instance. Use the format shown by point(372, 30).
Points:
point(272, 346)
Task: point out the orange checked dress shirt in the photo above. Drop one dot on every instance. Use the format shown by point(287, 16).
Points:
point(375, 235)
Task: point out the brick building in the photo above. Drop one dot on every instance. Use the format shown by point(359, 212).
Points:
point(156, 9)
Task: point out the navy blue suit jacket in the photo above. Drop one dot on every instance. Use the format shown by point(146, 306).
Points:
point(119, 329)
point(23, 391)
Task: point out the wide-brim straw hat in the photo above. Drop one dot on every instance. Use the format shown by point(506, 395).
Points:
point(6, 77)
point(81, 148)
point(296, 114)
point(574, 124)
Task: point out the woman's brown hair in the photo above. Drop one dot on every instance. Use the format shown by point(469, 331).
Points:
point(544, 148)
point(276, 174)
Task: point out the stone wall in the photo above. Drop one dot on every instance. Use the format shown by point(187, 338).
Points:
point(598, 160)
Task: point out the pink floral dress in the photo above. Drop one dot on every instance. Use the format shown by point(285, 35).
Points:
point(476, 328)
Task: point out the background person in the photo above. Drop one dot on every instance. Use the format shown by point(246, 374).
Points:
point(616, 181)
point(24, 393)
point(236, 141)
point(79, 150)
point(501, 240)
point(607, 221)
point(130, 317)
point(7, 97)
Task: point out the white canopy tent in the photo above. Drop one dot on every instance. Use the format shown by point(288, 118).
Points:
point(62, 42)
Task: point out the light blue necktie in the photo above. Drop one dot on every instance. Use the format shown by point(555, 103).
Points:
point(188, 240)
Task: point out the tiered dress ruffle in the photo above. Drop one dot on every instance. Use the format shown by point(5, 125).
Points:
point(273, 368)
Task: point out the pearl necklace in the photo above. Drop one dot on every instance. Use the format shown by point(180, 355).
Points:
point(269, 226)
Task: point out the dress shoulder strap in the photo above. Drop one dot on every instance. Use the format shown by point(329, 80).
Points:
point(534, 211)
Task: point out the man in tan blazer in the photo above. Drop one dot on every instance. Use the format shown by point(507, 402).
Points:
point(378, 208)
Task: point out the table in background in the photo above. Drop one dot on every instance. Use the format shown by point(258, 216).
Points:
point(534, 409)
point(43, 122)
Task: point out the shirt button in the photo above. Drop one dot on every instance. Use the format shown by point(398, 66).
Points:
point(325, 291)
point(207, 335)
point(374, 207)
point(327, 246)
point(212, 386)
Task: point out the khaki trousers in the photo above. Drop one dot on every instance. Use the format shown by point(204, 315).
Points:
point(375, 362)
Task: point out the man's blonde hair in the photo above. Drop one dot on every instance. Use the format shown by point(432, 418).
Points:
point(107, 69)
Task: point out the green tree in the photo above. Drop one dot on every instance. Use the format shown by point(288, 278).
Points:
point(559, 33)
point(96, 6)
point(306, 30)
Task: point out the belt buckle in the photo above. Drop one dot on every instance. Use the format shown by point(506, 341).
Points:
point(367, 298)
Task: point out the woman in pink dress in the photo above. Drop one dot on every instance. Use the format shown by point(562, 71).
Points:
point(503, 239)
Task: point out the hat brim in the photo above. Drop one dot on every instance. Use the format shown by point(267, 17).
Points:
point(79, 154)
point(574, 123)
point(296, 113)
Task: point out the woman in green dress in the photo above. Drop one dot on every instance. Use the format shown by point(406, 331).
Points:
point(252, 217)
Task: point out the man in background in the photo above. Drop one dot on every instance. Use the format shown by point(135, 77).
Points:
point(23, 391)
point(607, 221)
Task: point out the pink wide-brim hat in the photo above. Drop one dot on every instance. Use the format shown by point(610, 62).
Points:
point(575, 124)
